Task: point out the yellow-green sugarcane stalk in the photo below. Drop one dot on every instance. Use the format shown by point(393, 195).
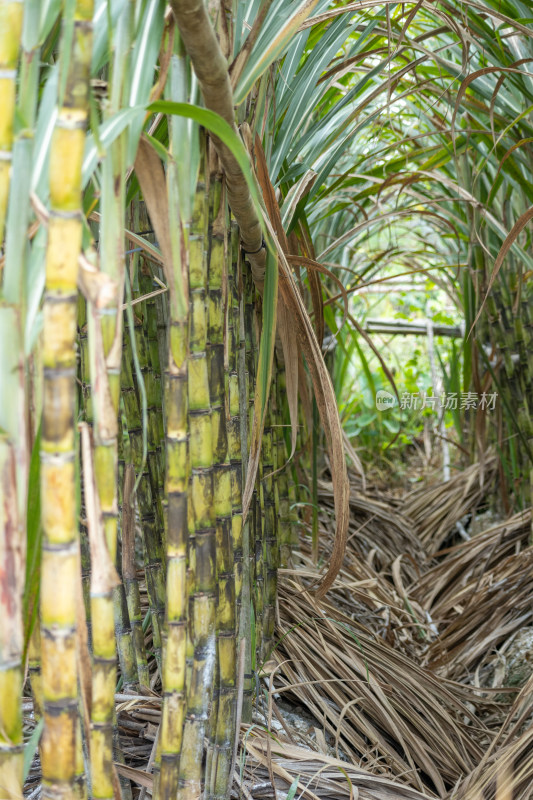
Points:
point(85, 412)
point(222, 717)
point(34, 670)
point(123, 628)
point(105, 343)
point(282, 482)
point(59, 572)
point(235, 449)
point(177, 487)
point(10, 31)
point(177, 664)
point(203, 580)
point(11, 629)
point(105, 428)
point(177, 502)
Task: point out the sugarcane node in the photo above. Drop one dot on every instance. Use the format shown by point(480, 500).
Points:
point(56, 708)
point(66, 547)
point(55, 373)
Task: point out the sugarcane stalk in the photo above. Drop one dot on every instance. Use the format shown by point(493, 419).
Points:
point(177, 485)
point(59, 574)
point(18, 203)
point(211, 69)
point(178, 508)
point(34, 671)
point(10, 31)
point(203, 580)
point(105, 343)
point(222, 717)
point(238, 450)
point(11, 629)
point(123, 631)
point(282, 482)
point(178, 659)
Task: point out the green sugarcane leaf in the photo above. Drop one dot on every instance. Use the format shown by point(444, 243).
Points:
point(264, 372)
point(50, 10)
point(214, 123)
point(142, 65)
point(35, 280)
point(268, 333)
point(96, 145)
point(291, 794)
point(46, 119)
point(33, 544)
point(270, 46)
point(160, 149)
point(31, 746)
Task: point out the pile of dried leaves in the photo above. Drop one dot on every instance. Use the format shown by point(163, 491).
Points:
point(393, 686)
point(399, 665)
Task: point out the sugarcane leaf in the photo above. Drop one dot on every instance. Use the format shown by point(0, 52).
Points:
point(328, 410)
point(291, 794)
point(142, 65)
point(283, 322)
point(152, 180)
point(510, 239)
point(30, 747)
point(67, 34)
point(43, 134)
point(159, 148)
point(108, 132)
point(33, 543)
point(50, 10)
point(138, 776)
point(11, 354)
point(18, 214)
point(35, 279)
point(271, 44)
point(104, 20)
point(220, 128)
point(141, 387)
point(264, 374)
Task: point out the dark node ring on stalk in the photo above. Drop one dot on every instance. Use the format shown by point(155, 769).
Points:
point(255, 252)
